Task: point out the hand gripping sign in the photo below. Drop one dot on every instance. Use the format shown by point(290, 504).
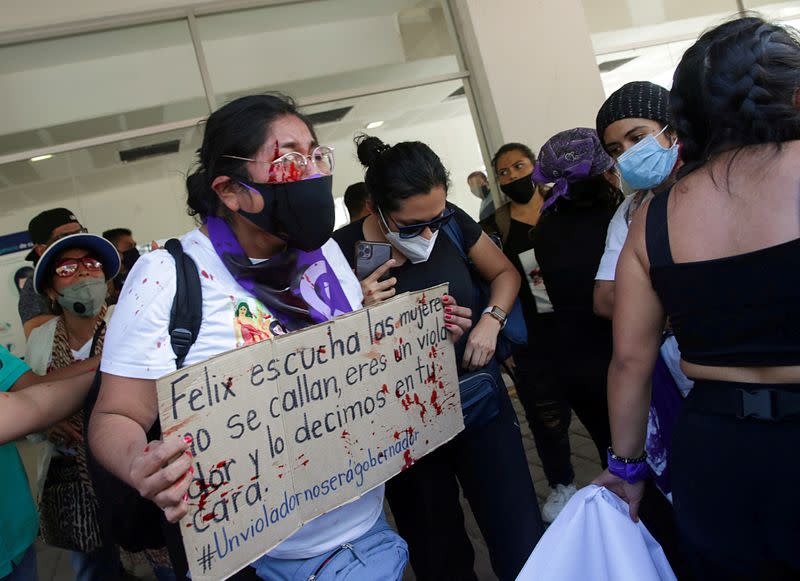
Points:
point(286, 430)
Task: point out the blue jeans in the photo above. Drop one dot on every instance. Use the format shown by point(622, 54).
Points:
point(98, 565)
point(490, 465)
point(377, 555)
point(25, 570)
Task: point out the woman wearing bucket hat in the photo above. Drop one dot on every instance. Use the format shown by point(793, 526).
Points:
point(73, 274)
point(568, 241)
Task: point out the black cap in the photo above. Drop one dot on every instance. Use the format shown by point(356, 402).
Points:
point(637, 99)
point(41, 227)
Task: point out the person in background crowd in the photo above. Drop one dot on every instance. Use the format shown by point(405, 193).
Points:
point(72, 273)
point(408, 201)
point(569, 240)
point(29, 404)
point(21, 276)
point(262, 189)
point(732, 216)
point(479, 186)
point(543, 399)
point(122, 239)
point(355, 198)
point(44, 229)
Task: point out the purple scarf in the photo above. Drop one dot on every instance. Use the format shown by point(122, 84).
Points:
point(299, 288)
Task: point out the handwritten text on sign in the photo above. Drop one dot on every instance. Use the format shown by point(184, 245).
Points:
point(286, 430)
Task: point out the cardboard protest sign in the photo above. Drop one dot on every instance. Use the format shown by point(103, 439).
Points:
point(286, 430)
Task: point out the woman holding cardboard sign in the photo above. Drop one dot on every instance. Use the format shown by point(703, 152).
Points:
point(433, 242)
point(262, 191)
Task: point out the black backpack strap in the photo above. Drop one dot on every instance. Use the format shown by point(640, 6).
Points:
point(187, 306)
point(657, 231)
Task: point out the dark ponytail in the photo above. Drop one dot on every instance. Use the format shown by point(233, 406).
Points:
point(397, 172)
point(736, 86)
point(237, 128)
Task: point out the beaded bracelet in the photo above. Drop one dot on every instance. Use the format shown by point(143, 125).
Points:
point(624, 460)
point(631, 470)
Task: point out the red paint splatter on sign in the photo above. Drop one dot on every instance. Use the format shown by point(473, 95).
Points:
point(409, 461)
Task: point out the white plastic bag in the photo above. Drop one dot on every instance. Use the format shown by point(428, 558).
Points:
point(594, 539)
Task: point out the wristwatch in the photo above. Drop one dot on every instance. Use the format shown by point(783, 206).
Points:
point(497, 313)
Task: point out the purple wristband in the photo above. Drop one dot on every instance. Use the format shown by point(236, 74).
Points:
point(630, 472)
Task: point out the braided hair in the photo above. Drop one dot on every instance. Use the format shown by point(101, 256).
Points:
point(736, 86)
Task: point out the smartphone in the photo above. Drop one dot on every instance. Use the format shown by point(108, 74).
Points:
point(370, 256)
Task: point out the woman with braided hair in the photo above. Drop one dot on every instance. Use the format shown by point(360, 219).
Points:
point(731, 217)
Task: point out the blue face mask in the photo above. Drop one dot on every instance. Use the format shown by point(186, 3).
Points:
point(647, 164)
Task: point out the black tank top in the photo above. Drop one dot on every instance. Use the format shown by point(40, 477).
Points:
point(741, 310)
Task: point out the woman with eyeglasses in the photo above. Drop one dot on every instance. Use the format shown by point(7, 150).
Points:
point(73, 273)
point(408, 186)
point(262, 194)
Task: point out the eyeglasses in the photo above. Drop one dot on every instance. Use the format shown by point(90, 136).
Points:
point(413, 230)
point(291, 166)
point(519, 166)
point(69, 266)
point(65, 234)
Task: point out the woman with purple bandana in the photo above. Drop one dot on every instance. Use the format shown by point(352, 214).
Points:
point(569, 240)
point(262, 192)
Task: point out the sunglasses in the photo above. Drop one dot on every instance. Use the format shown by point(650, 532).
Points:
point(413, 230)
point(68, 267)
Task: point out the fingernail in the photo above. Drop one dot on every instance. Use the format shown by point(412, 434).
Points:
point(191, 469)
point(186, 497)
point(188, 453)
point(448, 309)
point(187, 438)
point(448, 317)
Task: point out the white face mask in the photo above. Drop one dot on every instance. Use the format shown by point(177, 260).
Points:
point(417, 249)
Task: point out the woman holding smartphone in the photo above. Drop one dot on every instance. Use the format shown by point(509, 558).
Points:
point(408, 186)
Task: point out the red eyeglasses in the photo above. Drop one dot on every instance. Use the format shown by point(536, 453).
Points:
point(69, 266)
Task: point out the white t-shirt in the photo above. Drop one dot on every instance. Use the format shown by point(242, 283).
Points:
point(615, 239)
point(617, 233)
point(137, 345)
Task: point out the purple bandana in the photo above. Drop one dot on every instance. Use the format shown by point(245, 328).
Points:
point(299, 288)
point(568, 157)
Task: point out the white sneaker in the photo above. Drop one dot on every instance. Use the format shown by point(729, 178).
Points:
point(558, 499)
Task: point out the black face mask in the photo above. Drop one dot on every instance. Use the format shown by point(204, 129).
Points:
point(129, 258)
point(520, 190)
point(301, 213)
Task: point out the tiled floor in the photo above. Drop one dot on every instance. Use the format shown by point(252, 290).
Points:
point(54, 564)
